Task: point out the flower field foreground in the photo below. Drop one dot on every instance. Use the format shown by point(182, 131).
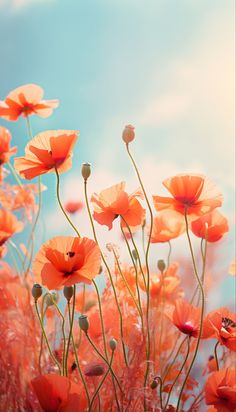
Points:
point(144, 341)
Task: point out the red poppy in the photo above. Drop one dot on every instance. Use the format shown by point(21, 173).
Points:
point(5, 151)
point(8, 226)
point(73, 207)
point(114, 202)
point(195, 193)
point(25, 101)
point(220, 390)
point(166, 226)
point(211, 226)
point(65, 260)
point(47, 151)
point(58, 393)
point(186, 318)
point(221, 324)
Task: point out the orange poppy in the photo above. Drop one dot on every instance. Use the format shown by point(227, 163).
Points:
point(114, 202)
point(5, 151)
point(65, 260)
point(221, 324)
point(73, 207)
point(25, 101)
point(166, 226)
point(211, 226)
point(58, 393)
point(8, 226)
point(220, 390)
point(195, 193)
point(185, 317)
point(47, 151)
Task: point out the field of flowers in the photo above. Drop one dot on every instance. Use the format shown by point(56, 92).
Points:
point(83, 330)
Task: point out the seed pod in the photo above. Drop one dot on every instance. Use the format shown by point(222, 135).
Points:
point(113, 344)
point(50, 299)
point(94, 369)
point(161, 265)
point(84, 323)
point(37, 291)
point(128, 133)
point(68, 292)
point(154, 384)
point(86, 170)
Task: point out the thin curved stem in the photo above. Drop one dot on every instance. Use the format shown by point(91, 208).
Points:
point(104, 359)
point(174, 359)
point(64, 336)
point(169, 254)
point(202, 310)
point(102, 381)
point(216, 356)
point(46, 339)
point(76, 357)
point(61, 206)
point(15, 175)
point(109, 273)
point(71, 328)
point(101, 318)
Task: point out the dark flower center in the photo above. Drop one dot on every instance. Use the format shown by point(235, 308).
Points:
point(228, 323)
point(70, 254)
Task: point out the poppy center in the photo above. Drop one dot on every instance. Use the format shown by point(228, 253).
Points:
point(228, 323)
point(187, 328)
point(70, 254)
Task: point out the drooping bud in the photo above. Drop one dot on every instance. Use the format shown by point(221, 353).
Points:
point(84, 323)
point(37, 291)
point(50, 299)
point(135, 255)
point(94, 369)
point(68, 292)
point(86, 170)
point(161, 265)
point(128, 133)
point(154, 384)
point(100, 270)
point(113, 344)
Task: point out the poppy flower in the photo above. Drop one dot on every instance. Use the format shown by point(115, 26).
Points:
point(221, 324)
point(211, 226)
point(5, 151)
point(58, 393)
point(185, 317)
point(73, 207)
point(47, 151)
point(8, 226)
point(65, 260)
point(195, 193)
point(166, 226)
point(25, 101)
point(114, 202)
point(220, 390)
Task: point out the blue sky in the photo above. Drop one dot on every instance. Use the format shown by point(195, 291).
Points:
point(165, 66)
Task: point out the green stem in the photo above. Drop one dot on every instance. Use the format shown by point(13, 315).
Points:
point(71, 328)
point(202, 310)
point(76, 357)
point(104, 359)
point(64, 336)
point(169, 254)
point(174, 359)
point(109, 273)
point(60, 204)
point(15, 175)
point(46, 339)
point(101, 318)
point(101, 383)
point(216, 356)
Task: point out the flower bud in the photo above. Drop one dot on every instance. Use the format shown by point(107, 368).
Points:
point(94, 369)
point(128, 133)
point(154, 384)
point(68, 292)
point(50, 299)
point(84, 323)
point(113, 344)
point(86, 170)
point(161, 265)
point(37, 291)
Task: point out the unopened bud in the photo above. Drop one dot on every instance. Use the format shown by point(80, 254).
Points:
point(113, 344)
point(135, 255)
point(154, 384)
point(68, 292)
point(100, 270)
point(84, 323)
point(50, 299)
point(128, 133)
point(94, 369)
point(37, 291)
point(161, 265)
point(86, 170)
